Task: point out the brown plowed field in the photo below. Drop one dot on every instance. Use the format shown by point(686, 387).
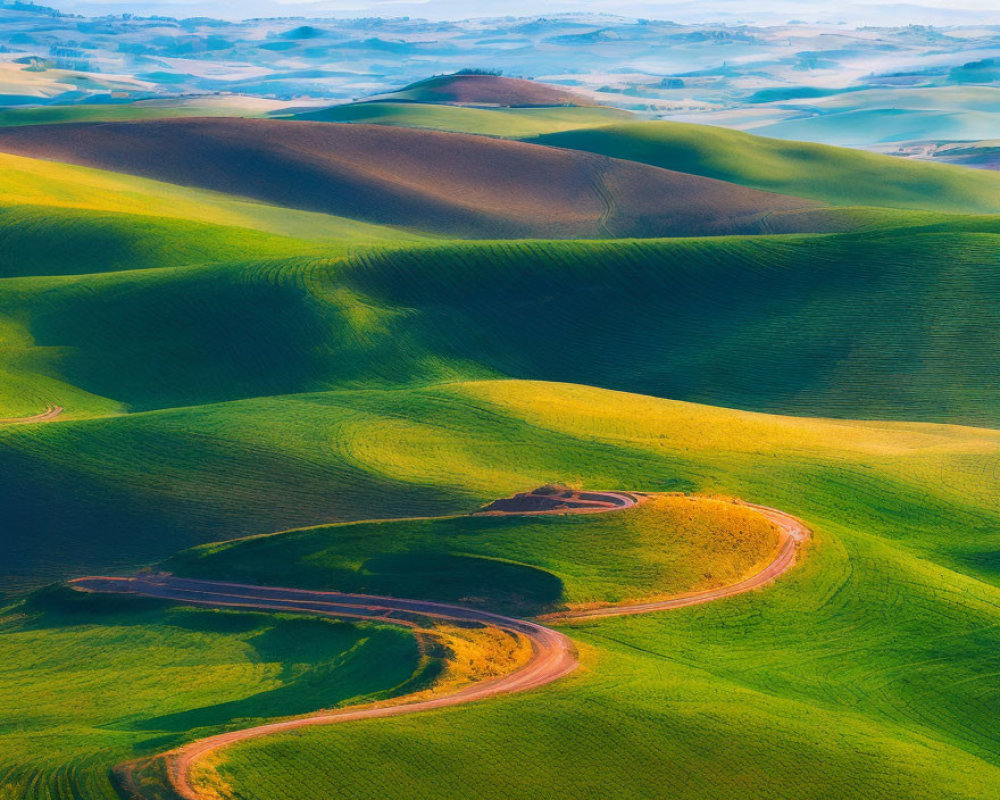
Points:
point(446, 183)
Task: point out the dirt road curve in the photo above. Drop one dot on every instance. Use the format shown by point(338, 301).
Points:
point(794, 533)
point(48, 414)
point(561, 500)
point(553, 655)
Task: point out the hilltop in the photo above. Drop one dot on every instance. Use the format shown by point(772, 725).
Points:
point(470, 89)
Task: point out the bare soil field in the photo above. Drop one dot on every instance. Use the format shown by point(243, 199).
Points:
point(447, 183)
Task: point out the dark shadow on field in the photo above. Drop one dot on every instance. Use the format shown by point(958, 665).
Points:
point(302, 663)
point(59, 606)
point(295, 560)
point(984, 563)
point(323, 664)
point(497, 585)
point(61, 521)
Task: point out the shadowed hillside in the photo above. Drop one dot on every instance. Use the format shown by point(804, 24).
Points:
point(446, 183)
point(34, 182)
point(900, 324)
point(43, 240)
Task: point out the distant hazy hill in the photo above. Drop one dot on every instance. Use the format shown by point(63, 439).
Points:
point(488, 90)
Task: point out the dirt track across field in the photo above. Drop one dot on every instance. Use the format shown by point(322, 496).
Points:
point(49, 413)
point(553, 653)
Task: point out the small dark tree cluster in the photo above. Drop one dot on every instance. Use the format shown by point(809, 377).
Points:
point(496, 73)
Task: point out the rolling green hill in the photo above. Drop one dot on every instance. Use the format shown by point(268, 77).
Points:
point(897, 324)
point(668, 545)
point(506, 122)
point(228, 369)
point(39, 240)
point(893, 324)
point(767, 695)
point(834, 175)
point(796, 694)
point(905, 520)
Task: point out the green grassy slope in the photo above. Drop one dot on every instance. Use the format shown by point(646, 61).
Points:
point(906, 521)
point(86, 683)
point(867, 672)
point(136, 488)
point(895, 324)
point(50, 115)
point(506, 122)
point(666, 546)
point(834, 175)
point(49, 240)
point(237, 330)
point(62, 221)
point(29, 181)
point(139, 487)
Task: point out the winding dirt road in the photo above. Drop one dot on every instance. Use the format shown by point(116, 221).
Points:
point(49, 413)
point(553, 654)
point(794, 533)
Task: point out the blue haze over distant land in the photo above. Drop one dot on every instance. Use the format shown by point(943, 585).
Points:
point(912, 80)
point(926, 12)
